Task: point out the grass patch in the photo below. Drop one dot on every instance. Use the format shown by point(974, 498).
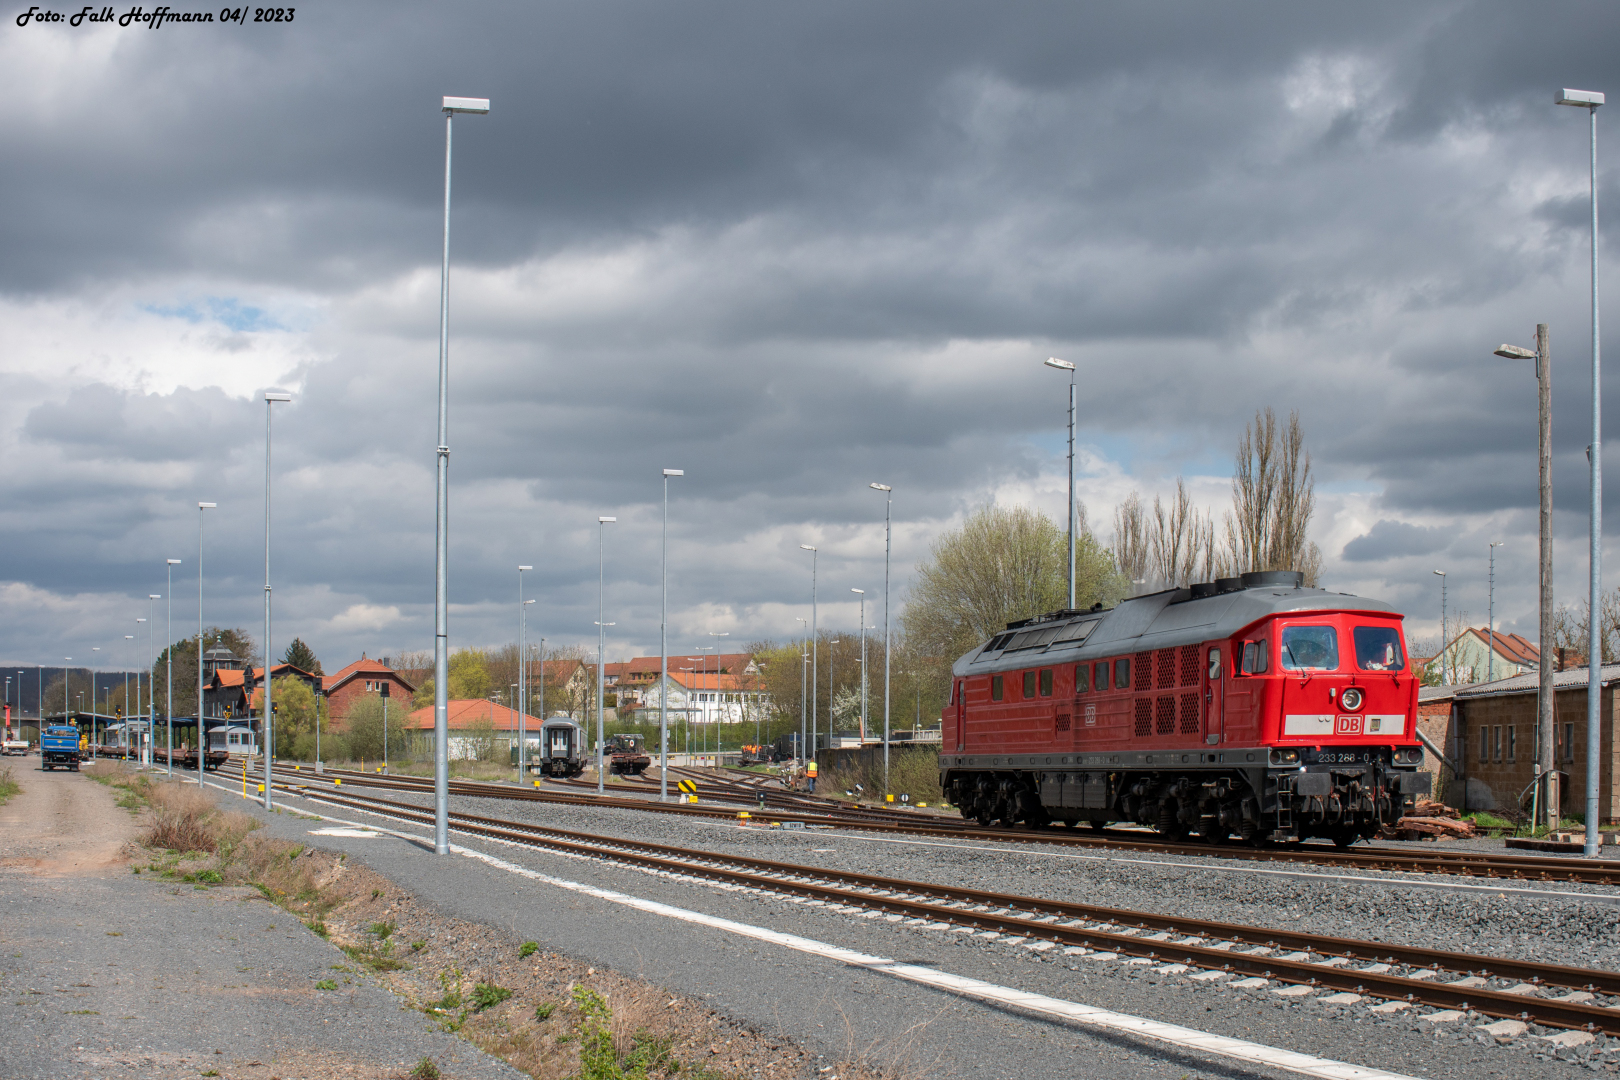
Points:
point(425, 1070)
point(324, 984)
point(8, 785)
point(488, 995)
point(528, 949)
point(543, 1011)
point(911, 772)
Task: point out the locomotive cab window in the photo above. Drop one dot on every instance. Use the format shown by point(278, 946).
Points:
point(1102, 675)
point(1122, 674)
point(1310, 648)
point(1029, 685)
point(1378, 648)
point(995, 688)
point(1082, 678)
point(1214, 665)
point(1256, 657)
point(1046, 682)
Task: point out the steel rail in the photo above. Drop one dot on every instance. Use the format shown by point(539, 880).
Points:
point(1487, 865)
point(787, 878)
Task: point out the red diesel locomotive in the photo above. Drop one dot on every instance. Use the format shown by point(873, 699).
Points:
point(1249, 706)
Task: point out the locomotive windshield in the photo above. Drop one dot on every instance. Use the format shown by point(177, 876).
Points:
point(1310, 647)
point(1378, 648)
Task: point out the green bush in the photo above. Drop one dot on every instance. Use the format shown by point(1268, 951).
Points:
point(528, 949)
point(488, 995)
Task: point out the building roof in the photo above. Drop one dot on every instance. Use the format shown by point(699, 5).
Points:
point(362, 667)
point(465, 713)
point(1529, 683)
point(692, 680)
point(647, 667)
point(1511, 647)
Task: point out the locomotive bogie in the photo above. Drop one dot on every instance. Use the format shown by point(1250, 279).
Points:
point(1256, 709)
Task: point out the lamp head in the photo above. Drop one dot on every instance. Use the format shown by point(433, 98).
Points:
point(521, 567)
point(674, 472)
point(276, 395)
point(1585, 99)
point(526, 603)
point(1061, 365)
point(1442, 573)
point(205, 506)
point(606, 520)
point(477, 105)
point(807, 547)
point(861, 591)
point(171, 562)
point(1514, 352)
point(880, 487)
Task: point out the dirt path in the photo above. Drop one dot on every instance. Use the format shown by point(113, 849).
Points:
point(61, 824)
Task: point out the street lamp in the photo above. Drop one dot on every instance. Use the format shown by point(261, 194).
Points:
point(66, 708)
point(441, 600)
point(127, 711)
point(601, 644)
point(862, 594)
point(888, 536)
point(832, 687)
point(151, 678)
point(93, 659)
point(270, 399)
point(202, 754)
point(720, 713)
point(815, 652)
point(523, 675)
point(1064, 365)
point(663, 648)
point(1545, 739)
point(1590, 100)
point(168, 697)
point(804, 699)
point(1443, 640)
point(1490, 624)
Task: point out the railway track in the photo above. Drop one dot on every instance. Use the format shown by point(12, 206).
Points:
point(1488, 864)
point(1403, 976)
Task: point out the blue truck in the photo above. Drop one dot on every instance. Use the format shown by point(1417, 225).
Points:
point(60, 746)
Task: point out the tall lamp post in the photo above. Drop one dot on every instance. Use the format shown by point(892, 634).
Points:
point(1064, 365)
point(888, 539)
point(202, 741)
point(815, 652)
point(720, 713)
point(601, 646)
point(663, 647)
point(1545, 738)
point(168, 697)
point(1490, 623)
point(151, 676)
point(1590, 100)
point(1444, 677)
point(804, 698)
point(129, 713)
point(270, 399)
point(523, 676)
point(441, 600)
point(862, 594)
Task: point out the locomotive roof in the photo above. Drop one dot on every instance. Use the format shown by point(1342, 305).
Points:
point(1157, 621)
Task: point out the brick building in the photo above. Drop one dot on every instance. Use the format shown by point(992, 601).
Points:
point(364, 676)
point(1491, 738)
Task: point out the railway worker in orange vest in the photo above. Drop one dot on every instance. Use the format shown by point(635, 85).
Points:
point(810, 775)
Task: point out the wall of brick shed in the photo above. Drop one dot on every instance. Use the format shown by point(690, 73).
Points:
point(1507, 779)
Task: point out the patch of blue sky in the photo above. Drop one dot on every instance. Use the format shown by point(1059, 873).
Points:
point(226, 310)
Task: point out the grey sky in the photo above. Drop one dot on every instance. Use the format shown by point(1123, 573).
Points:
point(790, 249)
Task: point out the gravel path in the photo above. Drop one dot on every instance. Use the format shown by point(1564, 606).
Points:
point(962, 1038)
point(110, 974)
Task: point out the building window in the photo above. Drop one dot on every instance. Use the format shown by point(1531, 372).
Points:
point(1496, 743)
point(1484, 744)
point(1513, 744)
point(1569, 742)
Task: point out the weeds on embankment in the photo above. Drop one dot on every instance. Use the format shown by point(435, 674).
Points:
point(911, 772)
point(8, 785)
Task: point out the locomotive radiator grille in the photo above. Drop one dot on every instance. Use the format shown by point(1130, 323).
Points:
point(1164, 715)
point(1189, 666)
point(1144, 672)
point(1164, 668)
point(1144, 717)
point(1189, 714)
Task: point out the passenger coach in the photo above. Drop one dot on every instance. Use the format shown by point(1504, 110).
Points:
point(1249, 706)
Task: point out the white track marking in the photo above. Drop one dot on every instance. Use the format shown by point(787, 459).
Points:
point(1040, 1004)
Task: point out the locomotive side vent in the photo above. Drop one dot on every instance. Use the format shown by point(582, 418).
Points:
point(1189, 665)
point(1164, 715)
point(1164, 668)
point(1189, 714)
point(1144, 671)
point(1144, 717)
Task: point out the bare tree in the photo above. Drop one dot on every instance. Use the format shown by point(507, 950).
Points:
point(1132, 549)
point(1181, 541)
point(1273, 498)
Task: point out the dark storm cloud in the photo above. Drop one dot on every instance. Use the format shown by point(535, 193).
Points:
point(791, 250)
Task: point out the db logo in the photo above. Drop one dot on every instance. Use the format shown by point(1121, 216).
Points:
point(1347, 725)
point(1091, 715)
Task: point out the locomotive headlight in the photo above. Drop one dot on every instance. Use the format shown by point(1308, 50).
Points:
point(1284, 757)
point(1351, 699)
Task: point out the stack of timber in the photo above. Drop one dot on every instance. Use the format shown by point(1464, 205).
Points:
point(1430, 820)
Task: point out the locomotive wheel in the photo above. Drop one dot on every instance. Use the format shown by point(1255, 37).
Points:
point(1098, 826)
point(1343, 838)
